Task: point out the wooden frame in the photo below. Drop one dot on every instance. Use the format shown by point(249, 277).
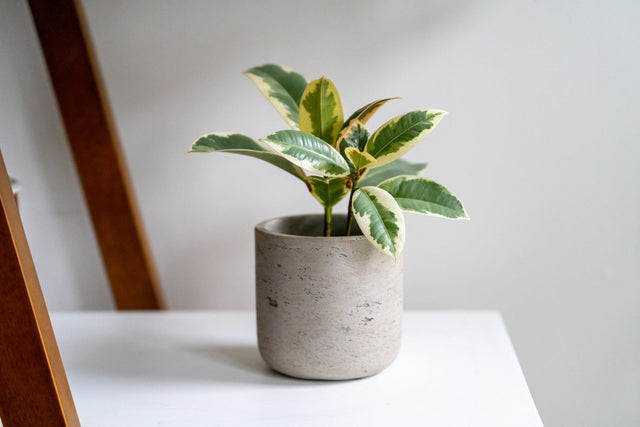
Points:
point(33, 385)
point(34, 390)
point(97, 154)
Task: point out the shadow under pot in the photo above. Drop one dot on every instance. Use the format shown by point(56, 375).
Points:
point(328, 308)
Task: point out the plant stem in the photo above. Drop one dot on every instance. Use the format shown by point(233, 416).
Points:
point(354, 185)
point(327, 222)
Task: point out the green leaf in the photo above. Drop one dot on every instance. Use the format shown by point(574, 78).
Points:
point(400, 134)
point(364, 114)
point(380, 219)
point(241, 144)
point(420, 195)
point(321, 110)
point(283, 88)
point(328, 191)
point(308, 152)
point(395, 168)
point(358, 159)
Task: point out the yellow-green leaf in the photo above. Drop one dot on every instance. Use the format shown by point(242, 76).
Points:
point(241, 144)
point(364, 114)
point(328, 191)
point(423, 196)
point(283, 88)
point(398, 167)
point(358, 159)
point(400, 134)
point(355, 135)
point(308, 151)
point(321, 110)
point(380, 219)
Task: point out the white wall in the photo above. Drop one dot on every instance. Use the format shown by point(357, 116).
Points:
point(541, 144)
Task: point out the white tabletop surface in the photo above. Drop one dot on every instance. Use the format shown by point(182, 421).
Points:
point(203, 369)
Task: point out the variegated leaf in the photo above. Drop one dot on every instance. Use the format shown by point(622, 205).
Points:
point(420, 195)
point(400, 134)
point(398, 167)
point(355, 135)
point(283, 88)
point(358, 159)
point(321, 110)
point(328, 191)
point(308, 152)
point(241, 144)
point(380, 219)
point(364, 114)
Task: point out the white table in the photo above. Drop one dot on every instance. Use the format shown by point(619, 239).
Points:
point(203, 369)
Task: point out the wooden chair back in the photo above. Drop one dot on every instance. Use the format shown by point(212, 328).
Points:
point(33, 386)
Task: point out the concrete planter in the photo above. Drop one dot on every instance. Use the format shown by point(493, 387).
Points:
point(328, 307)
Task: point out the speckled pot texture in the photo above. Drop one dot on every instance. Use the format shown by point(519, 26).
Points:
point(328, 308)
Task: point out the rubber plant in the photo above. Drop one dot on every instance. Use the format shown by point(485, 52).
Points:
point(344, 157)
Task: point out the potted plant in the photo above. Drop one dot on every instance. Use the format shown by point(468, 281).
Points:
point(329, 288)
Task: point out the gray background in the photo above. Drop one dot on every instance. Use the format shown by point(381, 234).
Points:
point(541, 144)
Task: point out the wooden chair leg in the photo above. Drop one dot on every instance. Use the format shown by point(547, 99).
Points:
point(97, 154)
point(33, 385)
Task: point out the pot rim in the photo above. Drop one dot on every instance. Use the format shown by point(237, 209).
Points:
point(262, 228)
